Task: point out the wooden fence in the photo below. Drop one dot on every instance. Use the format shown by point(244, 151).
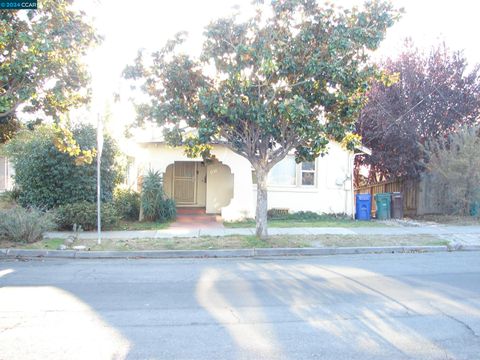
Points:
point(408, 188)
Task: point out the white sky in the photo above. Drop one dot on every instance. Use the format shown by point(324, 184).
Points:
point(130, 25)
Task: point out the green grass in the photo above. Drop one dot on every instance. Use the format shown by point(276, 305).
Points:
point(46, 244)
point(288, 223)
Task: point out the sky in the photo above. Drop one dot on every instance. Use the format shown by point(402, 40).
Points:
point(130, 25)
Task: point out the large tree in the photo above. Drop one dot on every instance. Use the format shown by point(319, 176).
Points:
point(40, 59)
point(435, 93)
point(289, 79)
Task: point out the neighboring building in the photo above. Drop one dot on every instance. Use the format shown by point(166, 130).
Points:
point(6, 172)
point(226, 184)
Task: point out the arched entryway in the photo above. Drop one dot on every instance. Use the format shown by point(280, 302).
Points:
point(199, 184)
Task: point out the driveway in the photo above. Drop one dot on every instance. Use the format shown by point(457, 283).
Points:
point(391, 306)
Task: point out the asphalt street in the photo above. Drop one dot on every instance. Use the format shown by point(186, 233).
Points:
point(380, 306)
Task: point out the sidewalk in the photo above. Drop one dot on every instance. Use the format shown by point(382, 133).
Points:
point(462, 234)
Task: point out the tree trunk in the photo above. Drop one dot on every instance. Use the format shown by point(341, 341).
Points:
point(262, 205)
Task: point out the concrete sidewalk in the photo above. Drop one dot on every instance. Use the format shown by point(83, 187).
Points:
point(460, 234)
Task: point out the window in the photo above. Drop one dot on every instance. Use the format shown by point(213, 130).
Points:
point(308, 173)
point(284, 173)
point(288, 173)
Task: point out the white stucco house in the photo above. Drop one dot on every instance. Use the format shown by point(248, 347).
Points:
point(226, 186)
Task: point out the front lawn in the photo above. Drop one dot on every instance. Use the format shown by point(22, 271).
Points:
point(240, 242)
point(287, 223)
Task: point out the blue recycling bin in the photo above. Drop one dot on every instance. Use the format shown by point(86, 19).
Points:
point(363, 207)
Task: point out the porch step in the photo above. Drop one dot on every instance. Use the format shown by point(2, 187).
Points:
point(191, 211)
point(194, 218)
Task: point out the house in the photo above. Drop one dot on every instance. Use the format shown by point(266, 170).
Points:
point(225, 184)
point(6, 172)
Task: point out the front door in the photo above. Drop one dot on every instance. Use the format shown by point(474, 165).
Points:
point(184, 182)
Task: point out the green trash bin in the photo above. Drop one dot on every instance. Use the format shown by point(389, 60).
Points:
point(475, 208)
point(383, 201)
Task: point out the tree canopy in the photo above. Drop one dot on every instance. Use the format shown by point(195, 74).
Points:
point(288, 79)
point(435, 94)
point(40, 59)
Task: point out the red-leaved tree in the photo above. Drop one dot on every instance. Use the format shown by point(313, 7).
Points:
point(434, 94)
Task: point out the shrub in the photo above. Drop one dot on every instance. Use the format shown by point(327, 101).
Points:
point(24, 225)
point(454, 170)
point(277, 213)
point(168, 210)
point(308, 216)
point(127, 203)
point(84, 214)
point(11, 196)
point(48, 177)
point(155, 204)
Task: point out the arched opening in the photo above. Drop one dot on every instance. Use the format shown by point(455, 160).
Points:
point(197, 184)
point(185, 182)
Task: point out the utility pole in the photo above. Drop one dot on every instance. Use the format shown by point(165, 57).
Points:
point(99, 157)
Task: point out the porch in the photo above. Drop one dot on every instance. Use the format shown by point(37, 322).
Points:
point(221, 185)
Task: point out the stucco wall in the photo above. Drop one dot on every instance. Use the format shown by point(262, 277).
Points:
point(219, 187)
point(201, 184)
point(168, 180)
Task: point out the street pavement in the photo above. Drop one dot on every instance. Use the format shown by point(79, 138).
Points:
point(388, 306)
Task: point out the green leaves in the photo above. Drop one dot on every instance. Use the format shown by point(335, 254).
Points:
point(289, 79)
point(41, 49)
point(155, 204)
point(48, 177)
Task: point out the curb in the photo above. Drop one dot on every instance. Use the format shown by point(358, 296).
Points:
point(234, 253)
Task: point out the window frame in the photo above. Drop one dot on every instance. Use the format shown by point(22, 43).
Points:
point(313, 171)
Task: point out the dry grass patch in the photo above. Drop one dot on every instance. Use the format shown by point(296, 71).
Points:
point(377, 240)
point(242, 242)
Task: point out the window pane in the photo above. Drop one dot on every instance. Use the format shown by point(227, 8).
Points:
point(308, 178)
point(308, 165)
point(283, 173)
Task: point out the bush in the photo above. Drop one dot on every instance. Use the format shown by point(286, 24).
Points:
point(127, 203)
point(277, 213)
point(24, 225)
point(307, 216)
point(168, 210)
point(85, 214)
point(10, 196)
point(453, 167)
point(155, 204)
point(48, 177)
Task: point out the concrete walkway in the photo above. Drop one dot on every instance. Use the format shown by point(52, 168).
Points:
point(467, 235)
